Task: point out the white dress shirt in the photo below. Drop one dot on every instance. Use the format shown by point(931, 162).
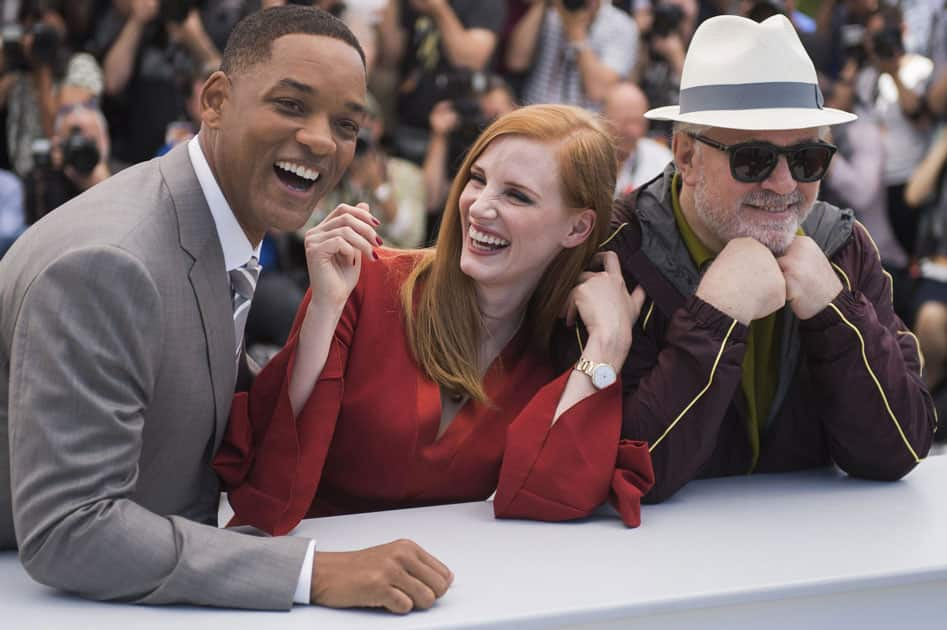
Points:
point(237, 251)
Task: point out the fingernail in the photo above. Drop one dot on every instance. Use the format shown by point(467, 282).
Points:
point(375, 255)
point(379, 241)
point(375, 222)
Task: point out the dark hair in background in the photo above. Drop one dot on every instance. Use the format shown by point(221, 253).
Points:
point(765, 10)
point(252, 38)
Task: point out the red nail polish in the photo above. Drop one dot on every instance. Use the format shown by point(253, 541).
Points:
point(375, 222)
point(375, 255)
point(379, 241)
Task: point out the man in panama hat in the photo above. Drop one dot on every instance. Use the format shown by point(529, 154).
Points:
point(768, 341)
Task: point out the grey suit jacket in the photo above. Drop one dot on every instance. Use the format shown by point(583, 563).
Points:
point(116, 375)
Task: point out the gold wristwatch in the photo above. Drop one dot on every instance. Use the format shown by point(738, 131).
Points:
point(602, 374)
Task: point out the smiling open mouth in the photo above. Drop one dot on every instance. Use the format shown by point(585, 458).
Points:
point(486, 241)
point(295, 176)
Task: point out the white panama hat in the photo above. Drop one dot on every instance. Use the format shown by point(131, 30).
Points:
point(741, 74)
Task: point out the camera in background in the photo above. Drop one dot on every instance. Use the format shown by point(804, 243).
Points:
point(41, 149)
point(887, 42)
point(42, 52)
point(463, 89)
point(78, 152)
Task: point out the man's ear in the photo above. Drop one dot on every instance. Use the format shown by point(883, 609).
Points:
point(215, 94)
point(582, 225)
point(683, 147)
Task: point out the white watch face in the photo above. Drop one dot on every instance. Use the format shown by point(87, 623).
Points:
point(603, 375)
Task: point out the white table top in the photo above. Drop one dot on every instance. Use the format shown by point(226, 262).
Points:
point(723, 553)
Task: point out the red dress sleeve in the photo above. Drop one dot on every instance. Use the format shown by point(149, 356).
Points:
point(565, 471)
point(270, 462)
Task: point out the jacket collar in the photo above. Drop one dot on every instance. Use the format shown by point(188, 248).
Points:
point(208, 276)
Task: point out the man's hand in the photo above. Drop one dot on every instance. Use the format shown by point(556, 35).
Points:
point(399, 576)
point(143, 11)
point(811, 282)
point(744, 281)
point(443, 119)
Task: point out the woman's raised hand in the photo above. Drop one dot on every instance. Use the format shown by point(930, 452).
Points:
point(334, 252)
point(608, 311)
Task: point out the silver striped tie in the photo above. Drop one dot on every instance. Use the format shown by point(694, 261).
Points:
point(243, 282)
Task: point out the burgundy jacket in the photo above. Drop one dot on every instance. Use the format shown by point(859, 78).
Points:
point(849, 389)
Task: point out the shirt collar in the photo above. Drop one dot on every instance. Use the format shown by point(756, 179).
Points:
point(233, 240)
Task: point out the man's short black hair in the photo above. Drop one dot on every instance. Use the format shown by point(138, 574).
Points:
point(252, 39)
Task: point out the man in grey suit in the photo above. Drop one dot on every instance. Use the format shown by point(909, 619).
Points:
point(118, 347)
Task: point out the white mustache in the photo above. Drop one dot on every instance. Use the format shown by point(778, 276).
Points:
point(763, 199)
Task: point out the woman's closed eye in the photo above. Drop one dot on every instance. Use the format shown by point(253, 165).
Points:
point(519, 196)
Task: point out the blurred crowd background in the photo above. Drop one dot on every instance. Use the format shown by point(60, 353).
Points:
point(88, 87)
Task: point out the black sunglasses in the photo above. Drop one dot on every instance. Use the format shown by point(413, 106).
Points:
point(752, 162)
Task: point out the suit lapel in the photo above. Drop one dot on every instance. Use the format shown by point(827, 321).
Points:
point(208, 277)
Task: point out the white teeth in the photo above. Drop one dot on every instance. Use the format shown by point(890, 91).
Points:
point(480, 237)
point(299, 171)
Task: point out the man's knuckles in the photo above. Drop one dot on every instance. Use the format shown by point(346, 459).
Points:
point(403, 549)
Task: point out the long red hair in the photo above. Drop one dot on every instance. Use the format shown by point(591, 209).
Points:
point(442, 317)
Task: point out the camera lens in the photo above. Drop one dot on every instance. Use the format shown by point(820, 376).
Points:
point(80, 152)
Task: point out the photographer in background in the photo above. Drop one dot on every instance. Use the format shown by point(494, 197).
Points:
point(76, 159)
point(927, 191)
point(433, 39)
point(855, 181)
point(663, 46)
point(147, 48)
point(573, 50)
point(455, 123)
point(32, 58)
point(889, 90)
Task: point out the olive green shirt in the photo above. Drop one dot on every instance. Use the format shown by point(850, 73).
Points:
point(760, 372)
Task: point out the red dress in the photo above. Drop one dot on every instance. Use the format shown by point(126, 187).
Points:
point(366, 439)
